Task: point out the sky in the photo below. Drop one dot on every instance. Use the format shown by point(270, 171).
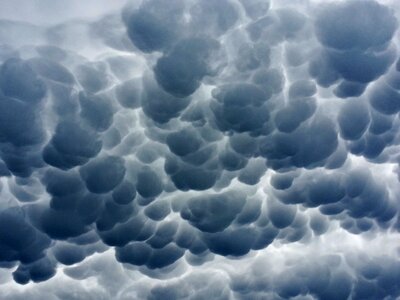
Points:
point(195, 149)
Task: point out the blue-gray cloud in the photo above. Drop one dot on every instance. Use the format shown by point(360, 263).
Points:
point(232, 149)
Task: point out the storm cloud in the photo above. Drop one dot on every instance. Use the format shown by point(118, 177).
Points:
point(195, 149)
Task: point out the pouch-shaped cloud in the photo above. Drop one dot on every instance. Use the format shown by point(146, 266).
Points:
point(230, 149)
point(357, 38)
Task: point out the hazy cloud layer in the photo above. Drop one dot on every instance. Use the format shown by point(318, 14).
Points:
point(230, 149)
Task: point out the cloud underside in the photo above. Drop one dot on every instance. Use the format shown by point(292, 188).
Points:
point(230, 149)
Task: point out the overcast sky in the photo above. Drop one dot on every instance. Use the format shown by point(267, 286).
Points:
point(195, 149)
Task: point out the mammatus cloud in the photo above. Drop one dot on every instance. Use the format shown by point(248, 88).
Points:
point(230, 149)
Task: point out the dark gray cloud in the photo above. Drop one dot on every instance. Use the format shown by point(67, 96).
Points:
point(232, 149)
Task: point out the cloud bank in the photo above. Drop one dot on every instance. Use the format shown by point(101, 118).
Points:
point(230, 149)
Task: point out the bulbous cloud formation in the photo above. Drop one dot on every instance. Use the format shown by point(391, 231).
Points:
point(196, 149)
